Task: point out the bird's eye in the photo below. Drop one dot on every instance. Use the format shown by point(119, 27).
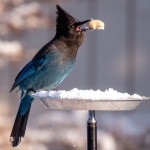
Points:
point(71, 26)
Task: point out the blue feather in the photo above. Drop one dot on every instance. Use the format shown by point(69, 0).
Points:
point(28, 70)
point(26, 101)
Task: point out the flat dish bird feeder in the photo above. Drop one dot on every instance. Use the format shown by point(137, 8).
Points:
point(109, 100)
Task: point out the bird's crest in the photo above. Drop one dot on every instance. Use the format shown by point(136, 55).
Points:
point(64, 19)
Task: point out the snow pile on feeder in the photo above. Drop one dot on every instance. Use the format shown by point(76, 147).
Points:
point(75, 93)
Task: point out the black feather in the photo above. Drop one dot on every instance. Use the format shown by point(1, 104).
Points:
point(64, 19)
point(19, 128)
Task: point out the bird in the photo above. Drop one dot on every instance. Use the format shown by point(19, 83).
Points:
point(48, 68)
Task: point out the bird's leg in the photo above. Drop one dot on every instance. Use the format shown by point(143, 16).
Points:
point(32, 90)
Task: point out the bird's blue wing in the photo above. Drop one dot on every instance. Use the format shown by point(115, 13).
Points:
point(28, 70)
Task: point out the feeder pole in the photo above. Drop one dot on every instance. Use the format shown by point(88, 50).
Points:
point(91, 131)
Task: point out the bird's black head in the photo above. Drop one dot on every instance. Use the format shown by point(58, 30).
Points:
point(66, 24)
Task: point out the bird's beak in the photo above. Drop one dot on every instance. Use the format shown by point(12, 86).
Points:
point(81, 23)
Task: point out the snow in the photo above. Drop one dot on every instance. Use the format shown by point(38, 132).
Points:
point(75, 93)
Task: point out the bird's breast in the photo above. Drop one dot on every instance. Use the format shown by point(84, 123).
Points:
point(54, 73)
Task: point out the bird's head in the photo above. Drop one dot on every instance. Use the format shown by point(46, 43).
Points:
point(66, 24)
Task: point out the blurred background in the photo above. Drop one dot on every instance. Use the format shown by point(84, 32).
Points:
point(117, 57)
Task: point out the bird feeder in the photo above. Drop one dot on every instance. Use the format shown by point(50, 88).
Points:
point(109, 100)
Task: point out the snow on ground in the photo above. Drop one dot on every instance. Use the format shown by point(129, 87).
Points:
point(75, 93)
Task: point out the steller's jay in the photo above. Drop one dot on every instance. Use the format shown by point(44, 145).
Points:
point(48, 68)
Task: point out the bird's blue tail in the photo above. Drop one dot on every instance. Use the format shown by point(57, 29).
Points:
point(20, 123)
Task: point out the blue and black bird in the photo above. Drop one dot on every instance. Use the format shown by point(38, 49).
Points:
point(48, 68)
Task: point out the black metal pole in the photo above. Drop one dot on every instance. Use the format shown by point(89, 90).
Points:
point(91, 131)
